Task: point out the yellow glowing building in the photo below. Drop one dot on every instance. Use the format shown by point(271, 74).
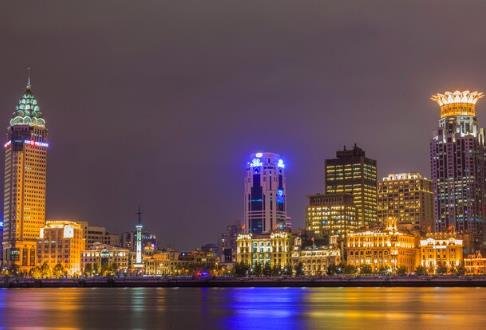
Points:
point(162, 263)
point(24, 183)
point(475, 264)
point(351, 172)
point(315, 260)
point(331, 214)
point(101, 257)
point(382, 249)
point(61, 242)
point(408, 198)
point(441, 249)
point(274, 249)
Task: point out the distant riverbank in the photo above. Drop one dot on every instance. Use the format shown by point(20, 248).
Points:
point(371, 281)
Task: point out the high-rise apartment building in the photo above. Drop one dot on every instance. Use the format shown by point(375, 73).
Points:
point(353, 173)
point(331, 214)
point(408, 198)
point(458, 164)
point(61, 242)
point(265, 194)
point(24, 182)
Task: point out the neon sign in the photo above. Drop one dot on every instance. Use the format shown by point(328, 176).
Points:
point(35, 143)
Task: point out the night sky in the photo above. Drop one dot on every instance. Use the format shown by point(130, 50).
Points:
point(160, 103)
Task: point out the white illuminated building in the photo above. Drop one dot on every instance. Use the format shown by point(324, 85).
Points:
point(138, 241)
point(441, 250)
point(458, 162)
point(265, 194)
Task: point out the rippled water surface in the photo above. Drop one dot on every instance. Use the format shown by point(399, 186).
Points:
point(244, 308)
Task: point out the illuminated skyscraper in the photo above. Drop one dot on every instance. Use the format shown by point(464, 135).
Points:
point(406, 197)
point(353, 173)
point(458, 165)
point(24, 182)
point(265, 193)
point(331, 214)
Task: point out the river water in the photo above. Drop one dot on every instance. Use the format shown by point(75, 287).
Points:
point(243, 308)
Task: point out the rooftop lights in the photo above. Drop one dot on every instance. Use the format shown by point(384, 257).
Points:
point(457, 97)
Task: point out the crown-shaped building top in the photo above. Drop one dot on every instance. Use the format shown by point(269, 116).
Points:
point(457, 103)
point(27, 111)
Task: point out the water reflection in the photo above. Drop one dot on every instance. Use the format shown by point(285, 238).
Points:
point(264, 308)
point(243, 308)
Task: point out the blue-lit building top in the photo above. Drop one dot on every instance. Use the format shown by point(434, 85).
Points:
point(265, 193)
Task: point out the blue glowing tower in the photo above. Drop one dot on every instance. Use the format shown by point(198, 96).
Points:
point(265, 194)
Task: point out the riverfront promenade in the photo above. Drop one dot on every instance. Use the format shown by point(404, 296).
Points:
point(331, 281)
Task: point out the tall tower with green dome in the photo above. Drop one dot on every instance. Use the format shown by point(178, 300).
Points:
point(24, 182)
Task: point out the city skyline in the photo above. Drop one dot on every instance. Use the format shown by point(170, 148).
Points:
point(249, 164)
point(199, 113)
point(243, 164)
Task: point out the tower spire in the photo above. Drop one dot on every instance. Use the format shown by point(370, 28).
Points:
point(29, 84)
point(139, 214)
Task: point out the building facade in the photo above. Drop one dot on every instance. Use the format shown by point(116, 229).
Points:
point(273, 249)
point(351, 172)
point(162, 263)
point(408, 198)
point(475, 264)
point(331, 214)
point(61, 243)
point(98, 234)
point(101, 257)
point(127, 240)
point(315, 260)
point(382, 249)
point(265, 194)
point(457, 156)
point(441, 250)
point(227, 243)
point(24, 183)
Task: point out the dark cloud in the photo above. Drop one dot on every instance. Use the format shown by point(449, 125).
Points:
point(160, 102)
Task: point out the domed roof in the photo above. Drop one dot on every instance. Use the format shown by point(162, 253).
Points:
point(27, 111)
